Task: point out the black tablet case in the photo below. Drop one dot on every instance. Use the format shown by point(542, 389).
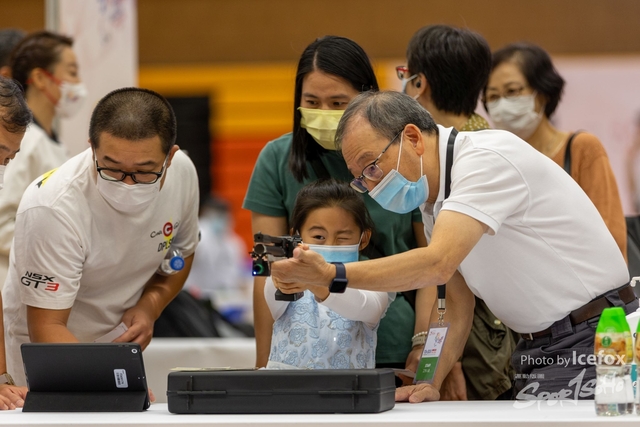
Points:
point(80, 377)
point(281, 391)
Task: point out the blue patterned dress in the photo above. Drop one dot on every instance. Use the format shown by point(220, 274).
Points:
point(312, 336)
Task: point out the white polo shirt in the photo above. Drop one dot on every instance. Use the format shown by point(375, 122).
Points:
point(38, 154)
point(73, 250)
point(547, 250)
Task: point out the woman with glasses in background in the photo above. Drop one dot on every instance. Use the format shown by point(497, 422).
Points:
point(522, 93)
point(331, 71)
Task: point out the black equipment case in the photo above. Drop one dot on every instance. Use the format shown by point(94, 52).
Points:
point(281, 391)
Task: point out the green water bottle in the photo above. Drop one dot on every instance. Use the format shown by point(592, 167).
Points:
point(611, 355)
point(627, 367)
point(636, 354)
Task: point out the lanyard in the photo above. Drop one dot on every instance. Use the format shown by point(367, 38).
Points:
point(442, 289)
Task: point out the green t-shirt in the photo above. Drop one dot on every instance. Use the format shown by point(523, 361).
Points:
point(272, 191)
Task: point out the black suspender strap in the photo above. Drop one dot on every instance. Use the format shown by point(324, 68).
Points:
point(442, 289)
point(567, 154)
point(449, 163)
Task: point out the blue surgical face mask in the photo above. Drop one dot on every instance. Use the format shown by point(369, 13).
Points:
point(397, 194)
point(338, 253)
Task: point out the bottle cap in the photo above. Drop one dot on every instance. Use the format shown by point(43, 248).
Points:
point(176, 263)
point(609, 321)
point(621, 317)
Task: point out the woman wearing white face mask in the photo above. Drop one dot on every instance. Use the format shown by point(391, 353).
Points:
point(522, 93)
point(331, 71)
point(46, 67)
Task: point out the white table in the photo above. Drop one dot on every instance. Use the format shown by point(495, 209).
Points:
point(451, 414)
point(166, 353)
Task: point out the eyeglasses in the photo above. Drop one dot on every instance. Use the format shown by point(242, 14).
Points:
point(403, 73)
point(372, 171)
point(509, 93)
point(137, 177)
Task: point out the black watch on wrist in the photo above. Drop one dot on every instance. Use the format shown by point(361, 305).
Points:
point(339, 284)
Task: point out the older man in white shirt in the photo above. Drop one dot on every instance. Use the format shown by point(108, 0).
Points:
point(515, 230)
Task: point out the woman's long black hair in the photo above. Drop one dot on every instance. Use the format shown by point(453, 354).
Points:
point(334, 55)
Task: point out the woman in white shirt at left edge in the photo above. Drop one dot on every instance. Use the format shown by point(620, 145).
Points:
point(44, 64)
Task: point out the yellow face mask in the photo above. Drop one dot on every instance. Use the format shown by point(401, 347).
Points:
point(321, 125)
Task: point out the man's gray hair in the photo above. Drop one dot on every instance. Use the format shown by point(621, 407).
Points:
point(388, 112)
point(14, 113)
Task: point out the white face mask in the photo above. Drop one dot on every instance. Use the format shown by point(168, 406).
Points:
point(405, 82)
point(128, 198)
point(2, 169)
point(72, 96)
point(517, 115)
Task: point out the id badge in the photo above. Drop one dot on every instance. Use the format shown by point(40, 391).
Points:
point(431, 353)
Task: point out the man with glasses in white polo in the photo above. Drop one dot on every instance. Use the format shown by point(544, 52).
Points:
point(91, 234)
point(503, 222)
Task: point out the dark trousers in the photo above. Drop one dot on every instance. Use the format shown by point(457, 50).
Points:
point(557, 366)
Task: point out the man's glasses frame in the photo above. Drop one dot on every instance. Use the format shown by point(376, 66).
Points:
point(372, 171)
point(142, 177)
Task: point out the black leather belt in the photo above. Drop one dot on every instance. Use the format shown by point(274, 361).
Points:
point(587, 311)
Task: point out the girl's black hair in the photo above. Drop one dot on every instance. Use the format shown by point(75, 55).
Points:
point(334, 55)
point(326, 194)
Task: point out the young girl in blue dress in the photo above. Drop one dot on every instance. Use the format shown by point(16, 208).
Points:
point(323, 330)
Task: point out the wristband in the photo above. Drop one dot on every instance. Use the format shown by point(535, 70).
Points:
point(7, 379)
point(419, 339)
